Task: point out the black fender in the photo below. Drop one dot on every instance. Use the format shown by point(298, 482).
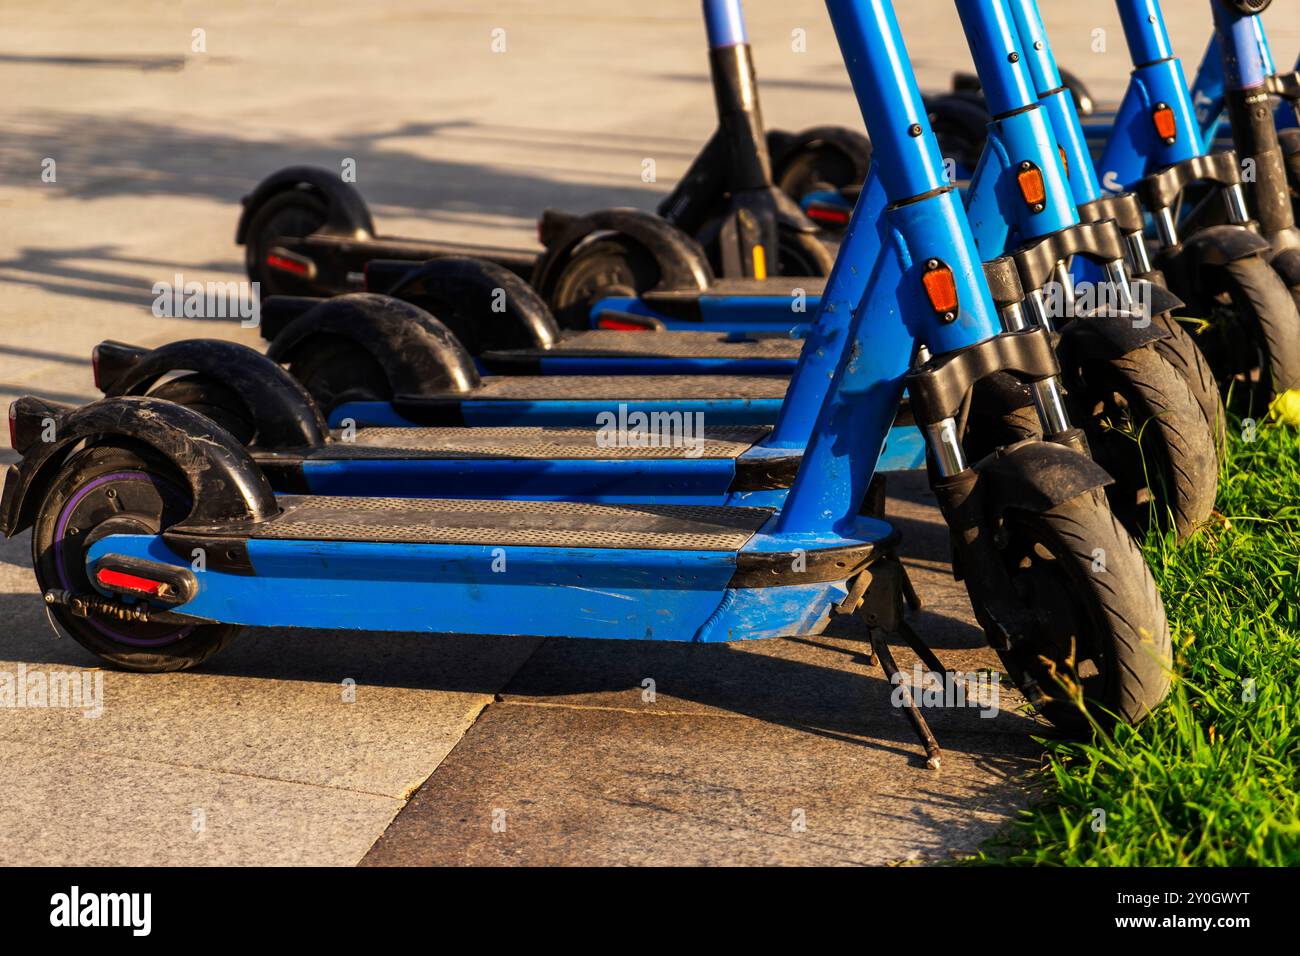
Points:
point(1290, 140)
point(854, 146)
point(1155, 295)
point(1107, 336)
point(1287, 264)
point(225, 485)
point(1219, 245)
point(347, 213)
point(485, 305)
point(790, 215)
point(964, 113)
point(1036, 476)
point(683, 263)
point(283, 411)
point(417, 352)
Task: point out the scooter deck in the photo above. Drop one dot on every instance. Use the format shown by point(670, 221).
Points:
point(525, 442)
point(511, 400)
point(600, 351)
point(615, 388)
point(542, 524)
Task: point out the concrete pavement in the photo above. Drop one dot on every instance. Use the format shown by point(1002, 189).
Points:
point(158, 116)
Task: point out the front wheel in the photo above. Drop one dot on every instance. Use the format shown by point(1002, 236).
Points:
point(1252, 340)
point(1100, 637)
point(1145, 428)
point(108, 489)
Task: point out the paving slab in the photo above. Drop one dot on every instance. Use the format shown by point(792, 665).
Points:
point(622, 753)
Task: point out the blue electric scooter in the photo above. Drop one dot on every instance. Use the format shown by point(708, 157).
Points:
point(155, 537)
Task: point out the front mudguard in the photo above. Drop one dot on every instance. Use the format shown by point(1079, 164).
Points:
point(1031, 477)
point(682, 262)
point(284, 413)
point(419, 355)
point(225, 484)
point(1106, 337)
point(1205, 253)
point(346, 212)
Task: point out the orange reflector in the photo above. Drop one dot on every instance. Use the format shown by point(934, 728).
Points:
point(285, 264)
point(940, 287)
point(1030, 181)
point(1065, 160)
point(760, 263)
point(1166, 124)
point(131, 582)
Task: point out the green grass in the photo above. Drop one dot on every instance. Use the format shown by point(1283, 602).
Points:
point(1210, 779)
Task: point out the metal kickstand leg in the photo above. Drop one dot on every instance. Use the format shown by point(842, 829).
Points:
point(881, 594)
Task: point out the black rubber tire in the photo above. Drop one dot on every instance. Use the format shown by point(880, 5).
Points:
point(210, 397)
point(1170, 475)
point(607, 266)
point(292, 212)
point(1253, 340)
point(1180, 350)
point(159, 497)
point(1115, 615)
point(335, 369)
point(803, 254)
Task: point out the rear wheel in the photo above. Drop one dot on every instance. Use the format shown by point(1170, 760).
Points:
point(210, 397)
point(335, 370)
point(1099, 624)
point(107, 489)
point(821, 167)
point(803, 254)
point(604, 267)
point(1144, 427)
point(293, 213)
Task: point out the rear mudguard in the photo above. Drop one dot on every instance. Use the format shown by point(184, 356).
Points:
point(418, 353)
point(225, 484)
point(485, 305)
point(284, 412)
point(1104, 336)
point(854, 145)
point(346, 211)
point(683, 263)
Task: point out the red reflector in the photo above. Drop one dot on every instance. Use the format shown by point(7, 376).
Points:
point(13, 427)
point(287, 265)
point(830, 214)
point(621, 325)
point(1165, 122)
point(940, 288)
point(120, 579)
point(94, 371)
point(1030, 181)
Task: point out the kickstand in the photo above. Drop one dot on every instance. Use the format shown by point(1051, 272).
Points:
point(882, 600)
point(919, 724)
